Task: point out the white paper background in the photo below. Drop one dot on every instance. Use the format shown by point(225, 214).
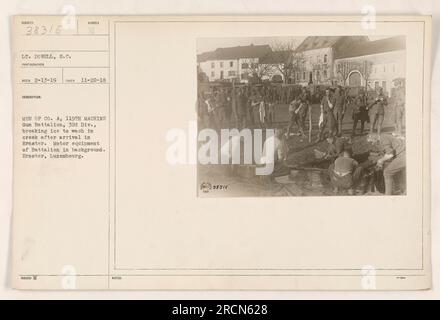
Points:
point(285, 7)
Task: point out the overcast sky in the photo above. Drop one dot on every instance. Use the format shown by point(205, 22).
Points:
point(210, 44)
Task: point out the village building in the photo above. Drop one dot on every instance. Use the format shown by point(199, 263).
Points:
point(353, 61)
point(232, 64)
point(372, 64)
point(317, 55)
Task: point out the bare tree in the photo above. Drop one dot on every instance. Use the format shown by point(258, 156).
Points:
point(288, 60)
point(367, 69)
point(260, 70)
point(345, 67)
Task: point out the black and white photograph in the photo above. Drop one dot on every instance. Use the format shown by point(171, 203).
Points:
point(301, 116)
point(253, 154)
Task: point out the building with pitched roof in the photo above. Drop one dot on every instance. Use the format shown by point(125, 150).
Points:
point(318, 54)
point(234, 63)
point(372, 64)
point(327, 60)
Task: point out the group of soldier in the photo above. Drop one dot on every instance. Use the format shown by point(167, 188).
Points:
point(334, 106)
point(252, 107)
point(242, 106)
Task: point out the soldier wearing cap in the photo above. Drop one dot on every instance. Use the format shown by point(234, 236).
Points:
point(293, 114)
point(345, 173)
point(360, 113)
point(398, 99)
point(241, 109)
point(302, 111)
point(339, 109)
point(393, 160)
point(327, 117)
point(377, 111)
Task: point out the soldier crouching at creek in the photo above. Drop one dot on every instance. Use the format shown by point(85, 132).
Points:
point(392, 159)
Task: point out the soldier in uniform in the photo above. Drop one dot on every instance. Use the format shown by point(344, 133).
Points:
point(218, 106)
point(270, 116)
point(294, 106)
point(223, 104)
point(345, 173)
point(277, 145)
point(360, 113)
point(377, 112)
point(255, 109)
point(230, 115)
point(398, 100)
point(304, 97)
point(250, 107)
point(393, 159)
point(339, 108)
point(336, 145)
point(241, 109)
point(202, 111)
point(234, 107)
point(212, 119)
point(262, 112)
point(327, 105)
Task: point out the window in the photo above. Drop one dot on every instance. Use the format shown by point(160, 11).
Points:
point(325, 73)
point(221, 64)
point(231, 73)
point(212, 65)
point(244, 75)
point(325, 58)
point(212, 74)
point(304, 76)
point(231, 63)
point(245, 65)
point(394, 68)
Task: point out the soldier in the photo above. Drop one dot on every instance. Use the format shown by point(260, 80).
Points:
point(336, 145)
point(230, 115)
point(254, 109)
point(234, 107)
point(292, 115)
point(212, 119)
point(250, 108)
point(398, 99)
point(327, 117)
point(304, 96)
point(377, 112)
point(202, 112)
point(262, 112)
point(241, 109)
point(345, 173)
point(393, 160)
point(360, 113)
point(339, 109)
point(277, 145)
point(301, 117)
point(303, 110)
point(270, 116)
point(218, 106)
point(224, 105)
